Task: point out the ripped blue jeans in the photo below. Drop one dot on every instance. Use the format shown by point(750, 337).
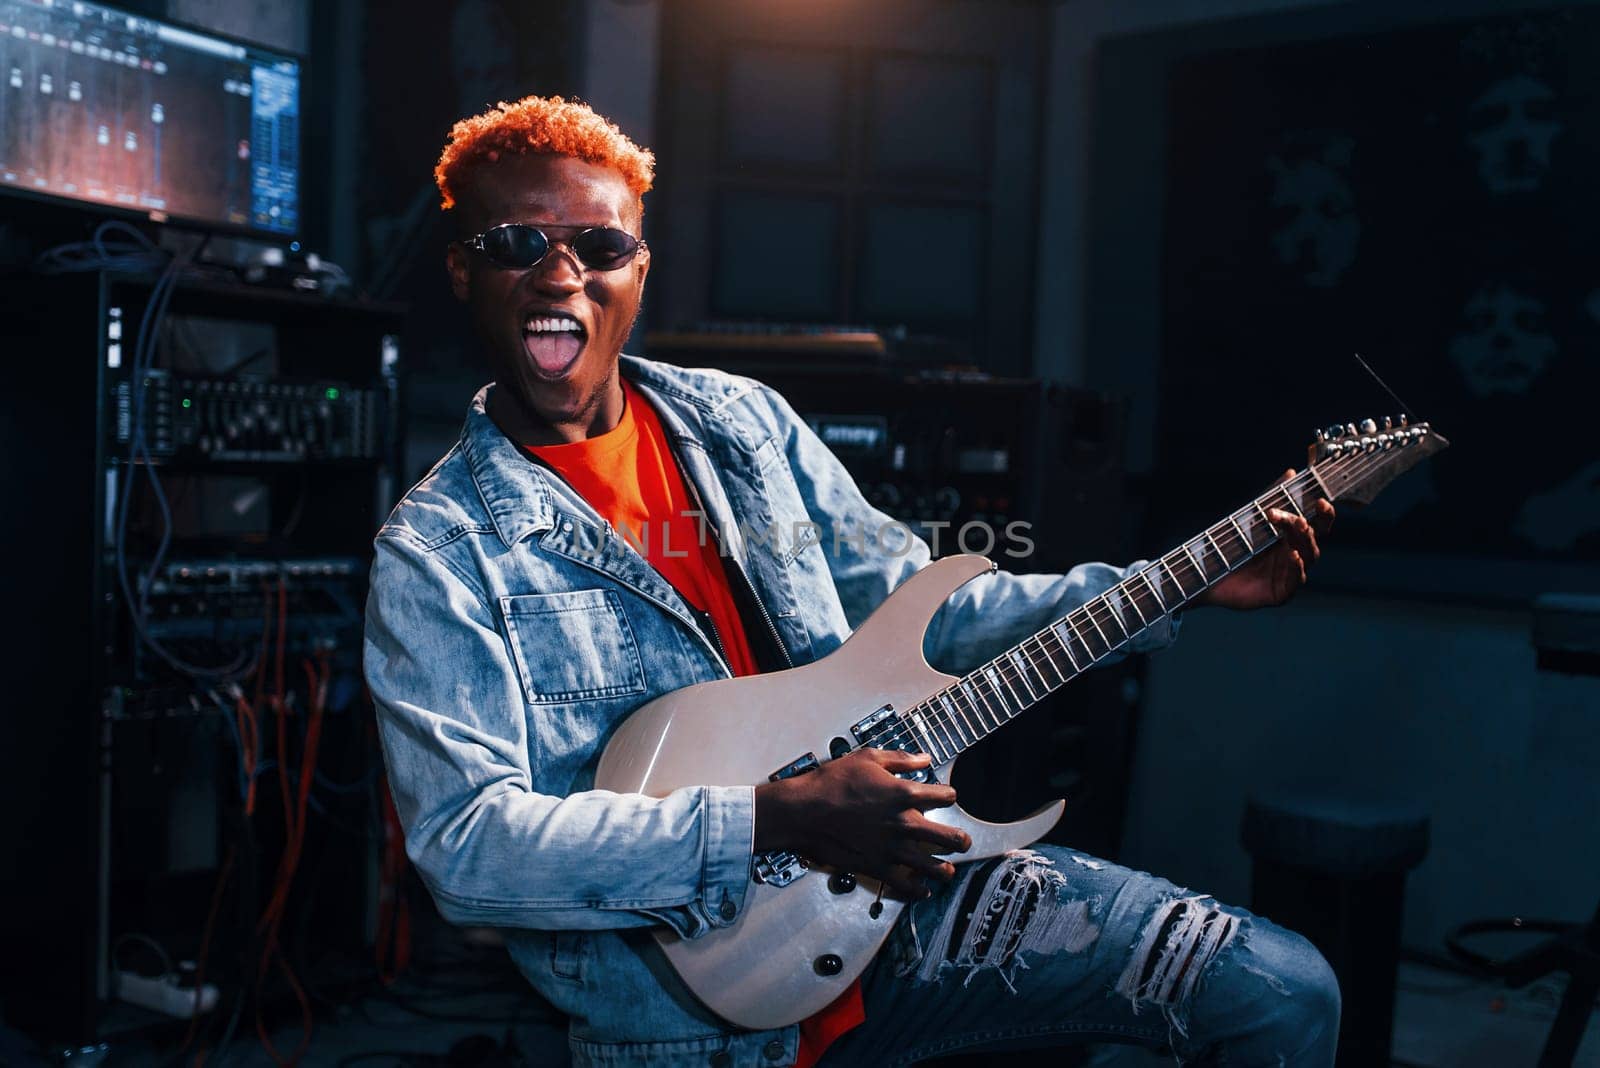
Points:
point(1050, 946)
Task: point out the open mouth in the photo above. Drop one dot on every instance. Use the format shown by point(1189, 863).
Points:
point(553, 341)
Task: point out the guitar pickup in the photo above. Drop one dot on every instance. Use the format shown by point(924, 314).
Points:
point(798, 766)
point(879, 723)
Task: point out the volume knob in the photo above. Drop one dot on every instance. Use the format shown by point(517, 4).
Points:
point(828, 964)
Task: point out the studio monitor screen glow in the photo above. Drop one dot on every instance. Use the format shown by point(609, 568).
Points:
point(106, 107)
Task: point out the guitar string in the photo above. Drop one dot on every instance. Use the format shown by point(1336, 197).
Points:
point(1364, 463)
point(960, 729)
point(1176, 562)
point(1008, 682)
point(959, 726)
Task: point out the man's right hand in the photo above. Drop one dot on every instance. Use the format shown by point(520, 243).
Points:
point(854, 814)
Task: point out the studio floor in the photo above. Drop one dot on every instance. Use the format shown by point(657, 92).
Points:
point(1443, 1020)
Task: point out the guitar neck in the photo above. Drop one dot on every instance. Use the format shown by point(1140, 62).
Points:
point(992, 695)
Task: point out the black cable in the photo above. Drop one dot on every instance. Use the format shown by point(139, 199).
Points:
point(142, 254)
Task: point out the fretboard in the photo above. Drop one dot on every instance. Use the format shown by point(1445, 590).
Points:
point(983, 700)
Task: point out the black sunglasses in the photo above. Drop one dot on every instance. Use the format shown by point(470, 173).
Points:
point(518, 246)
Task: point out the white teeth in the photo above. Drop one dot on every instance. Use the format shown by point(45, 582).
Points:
point(551, 326)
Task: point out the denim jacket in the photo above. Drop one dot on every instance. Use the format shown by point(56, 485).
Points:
point(510, 630)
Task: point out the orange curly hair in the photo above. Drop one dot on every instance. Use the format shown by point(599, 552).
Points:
point(540, 124)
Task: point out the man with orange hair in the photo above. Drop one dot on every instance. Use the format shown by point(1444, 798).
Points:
point(553, 573)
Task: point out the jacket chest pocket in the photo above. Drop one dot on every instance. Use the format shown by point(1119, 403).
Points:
point(572, 646)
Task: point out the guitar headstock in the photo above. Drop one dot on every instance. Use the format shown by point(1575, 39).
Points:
point(1356, 461)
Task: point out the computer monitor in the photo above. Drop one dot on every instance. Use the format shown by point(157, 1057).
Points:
point(109, 108)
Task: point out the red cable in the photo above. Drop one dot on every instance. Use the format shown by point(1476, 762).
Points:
point(249, 743)
point(280, 709)
point(272, 919)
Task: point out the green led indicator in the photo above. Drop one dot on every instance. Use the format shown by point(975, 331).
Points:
point(187, 403)
point(333, 393)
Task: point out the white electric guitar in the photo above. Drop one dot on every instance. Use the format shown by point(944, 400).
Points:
point(806, 932)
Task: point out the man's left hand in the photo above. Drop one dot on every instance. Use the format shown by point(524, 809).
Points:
point(1274, 576)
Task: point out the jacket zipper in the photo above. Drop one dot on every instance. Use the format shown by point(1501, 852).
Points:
point(714, 641)
point(709, 625)
point(772, 628)
point(728, 559)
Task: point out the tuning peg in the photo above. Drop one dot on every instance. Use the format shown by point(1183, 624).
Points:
point(1388, 423)
point(1350, 429)
point(1405, 420)
point(1368, 426)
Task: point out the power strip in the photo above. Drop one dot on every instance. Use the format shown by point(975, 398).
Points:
point(163, 994)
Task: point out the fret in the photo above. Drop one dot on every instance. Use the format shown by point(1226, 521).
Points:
point(958, 716)
point(1002, 688)
point(1183, 594)
point(1034, 657)
point(990, 701)
point(1128, 597)
point(1050, 658)
point(1188, 550)
point(1112, 599)
point(992, 696)
point(1226, 564)
point(1089, 655)
point(1242, 536)
point(1265, 518)
point(942, 733)
point(1066, 645)
point(1145, 574)
point(950, 710)
point(1292, 503)
point(1111, 614)
point(1075, 622)
point(1109, 599)
point(1017, 658)
point(925, 736)
point(977, 705)
point(1089, 611)
point(1321, 484)
point(941, 736)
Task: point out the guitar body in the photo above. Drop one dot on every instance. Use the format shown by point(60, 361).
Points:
point(763, 971)
point(803, 936)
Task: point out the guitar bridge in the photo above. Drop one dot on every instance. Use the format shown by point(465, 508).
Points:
point(777, 868)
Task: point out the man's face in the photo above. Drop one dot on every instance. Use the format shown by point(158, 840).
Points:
point(561, 377)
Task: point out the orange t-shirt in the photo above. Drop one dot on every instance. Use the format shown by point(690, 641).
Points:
point(629, 476)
